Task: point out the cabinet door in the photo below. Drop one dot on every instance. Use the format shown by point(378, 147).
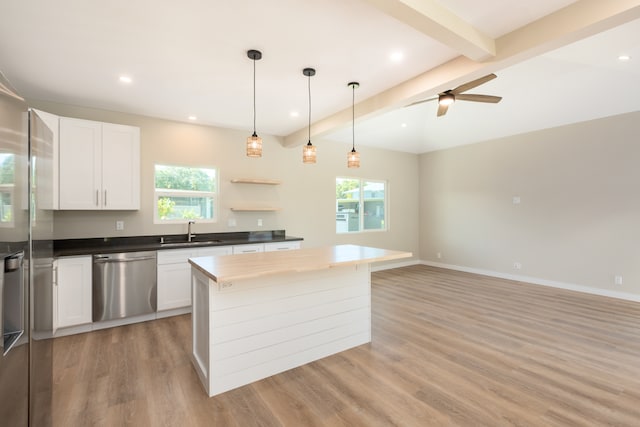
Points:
point(174, 286)
point(281, 246)
point(74, 291)
point(80, 164)
point(120, 167)
point(174, 278)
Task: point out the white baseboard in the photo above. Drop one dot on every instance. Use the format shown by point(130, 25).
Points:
point(72, 330)
point(96, 326)
point(173, 312)
point(537, 281)
point(390, 265)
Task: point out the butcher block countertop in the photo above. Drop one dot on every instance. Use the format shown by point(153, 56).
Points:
point(227, 268)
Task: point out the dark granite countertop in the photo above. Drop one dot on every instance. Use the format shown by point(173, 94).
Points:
point(69, 247)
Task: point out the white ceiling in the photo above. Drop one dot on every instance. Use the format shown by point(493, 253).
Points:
point(189, 58)
point(579, 82)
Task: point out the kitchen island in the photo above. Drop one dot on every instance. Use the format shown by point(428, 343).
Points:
point(255, 315)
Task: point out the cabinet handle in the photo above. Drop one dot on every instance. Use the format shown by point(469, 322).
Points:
point(105, 197)
point(55, 276)
point(97, 195)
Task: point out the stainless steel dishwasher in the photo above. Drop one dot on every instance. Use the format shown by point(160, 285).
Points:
point(124, 285)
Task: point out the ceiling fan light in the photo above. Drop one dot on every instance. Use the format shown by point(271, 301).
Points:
point(446, 99)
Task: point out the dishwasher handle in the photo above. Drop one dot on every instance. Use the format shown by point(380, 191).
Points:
point(104, 259)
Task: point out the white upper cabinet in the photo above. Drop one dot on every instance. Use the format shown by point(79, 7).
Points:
point(80, 164)
point(99, 165)
point(120, 166)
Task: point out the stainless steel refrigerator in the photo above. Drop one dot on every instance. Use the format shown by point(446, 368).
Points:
point(26, 257)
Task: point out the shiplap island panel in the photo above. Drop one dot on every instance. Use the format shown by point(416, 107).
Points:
point(255, 315)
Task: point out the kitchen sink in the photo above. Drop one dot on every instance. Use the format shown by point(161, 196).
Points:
point(184, 243)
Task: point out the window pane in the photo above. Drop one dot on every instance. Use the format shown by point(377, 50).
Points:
point(171, 208)
point(347, 205)
point(374, 205)
point(184, 193)
point(185, 178)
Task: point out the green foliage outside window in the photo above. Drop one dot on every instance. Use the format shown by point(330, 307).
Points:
point(184, 193)
point(183, 178)
point(165, 206)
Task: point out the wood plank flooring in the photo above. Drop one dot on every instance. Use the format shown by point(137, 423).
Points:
point(448, 349)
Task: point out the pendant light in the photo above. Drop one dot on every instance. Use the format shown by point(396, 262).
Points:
point(353, 157)
point(309, 151)
point(254, 142)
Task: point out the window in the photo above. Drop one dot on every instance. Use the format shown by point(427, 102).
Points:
point(184, 193)
point(360, 205)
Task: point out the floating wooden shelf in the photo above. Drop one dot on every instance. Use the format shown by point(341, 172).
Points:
point(256, 181)
point(255, 209)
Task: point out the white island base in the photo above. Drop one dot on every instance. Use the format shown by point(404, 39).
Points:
point(248, 326)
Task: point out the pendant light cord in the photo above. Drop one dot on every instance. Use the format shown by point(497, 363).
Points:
point(353, 118)
point(254, 96)
point(309, 86)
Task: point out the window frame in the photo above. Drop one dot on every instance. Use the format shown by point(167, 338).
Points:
point(215, 195)
point(361, 201)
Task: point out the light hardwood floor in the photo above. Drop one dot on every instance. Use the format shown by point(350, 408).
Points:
point(448, 348)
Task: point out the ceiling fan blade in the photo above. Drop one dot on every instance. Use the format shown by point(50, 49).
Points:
point(470, 85)
point(479, 98)
point(442, 109)
point(420, 102)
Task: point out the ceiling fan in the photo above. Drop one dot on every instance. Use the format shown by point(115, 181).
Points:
point(448, 97)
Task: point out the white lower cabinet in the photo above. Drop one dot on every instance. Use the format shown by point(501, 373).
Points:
point(281, 246)
point(73, 281)
point(174, 275)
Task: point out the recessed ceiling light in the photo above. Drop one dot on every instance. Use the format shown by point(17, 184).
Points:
point(294, 114)
point(126, 79)
point(404, 125)
point(193, 118)
point(624, 57)
point(396, 57)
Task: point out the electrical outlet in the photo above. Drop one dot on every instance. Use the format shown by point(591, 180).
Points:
point(617, 280)
point(231, 222)
point(119, 225)
point(260, 223)
point(516, 200)
point(438, 255)
point(517, 265)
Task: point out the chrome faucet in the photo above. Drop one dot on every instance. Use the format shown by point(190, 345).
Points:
point(190, 235)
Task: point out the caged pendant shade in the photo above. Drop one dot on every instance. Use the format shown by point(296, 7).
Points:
point(353, 157)
point(254, 142)
point(309, 151)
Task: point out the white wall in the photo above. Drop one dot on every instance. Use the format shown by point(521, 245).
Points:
point(579, 218)
point(306, 196)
